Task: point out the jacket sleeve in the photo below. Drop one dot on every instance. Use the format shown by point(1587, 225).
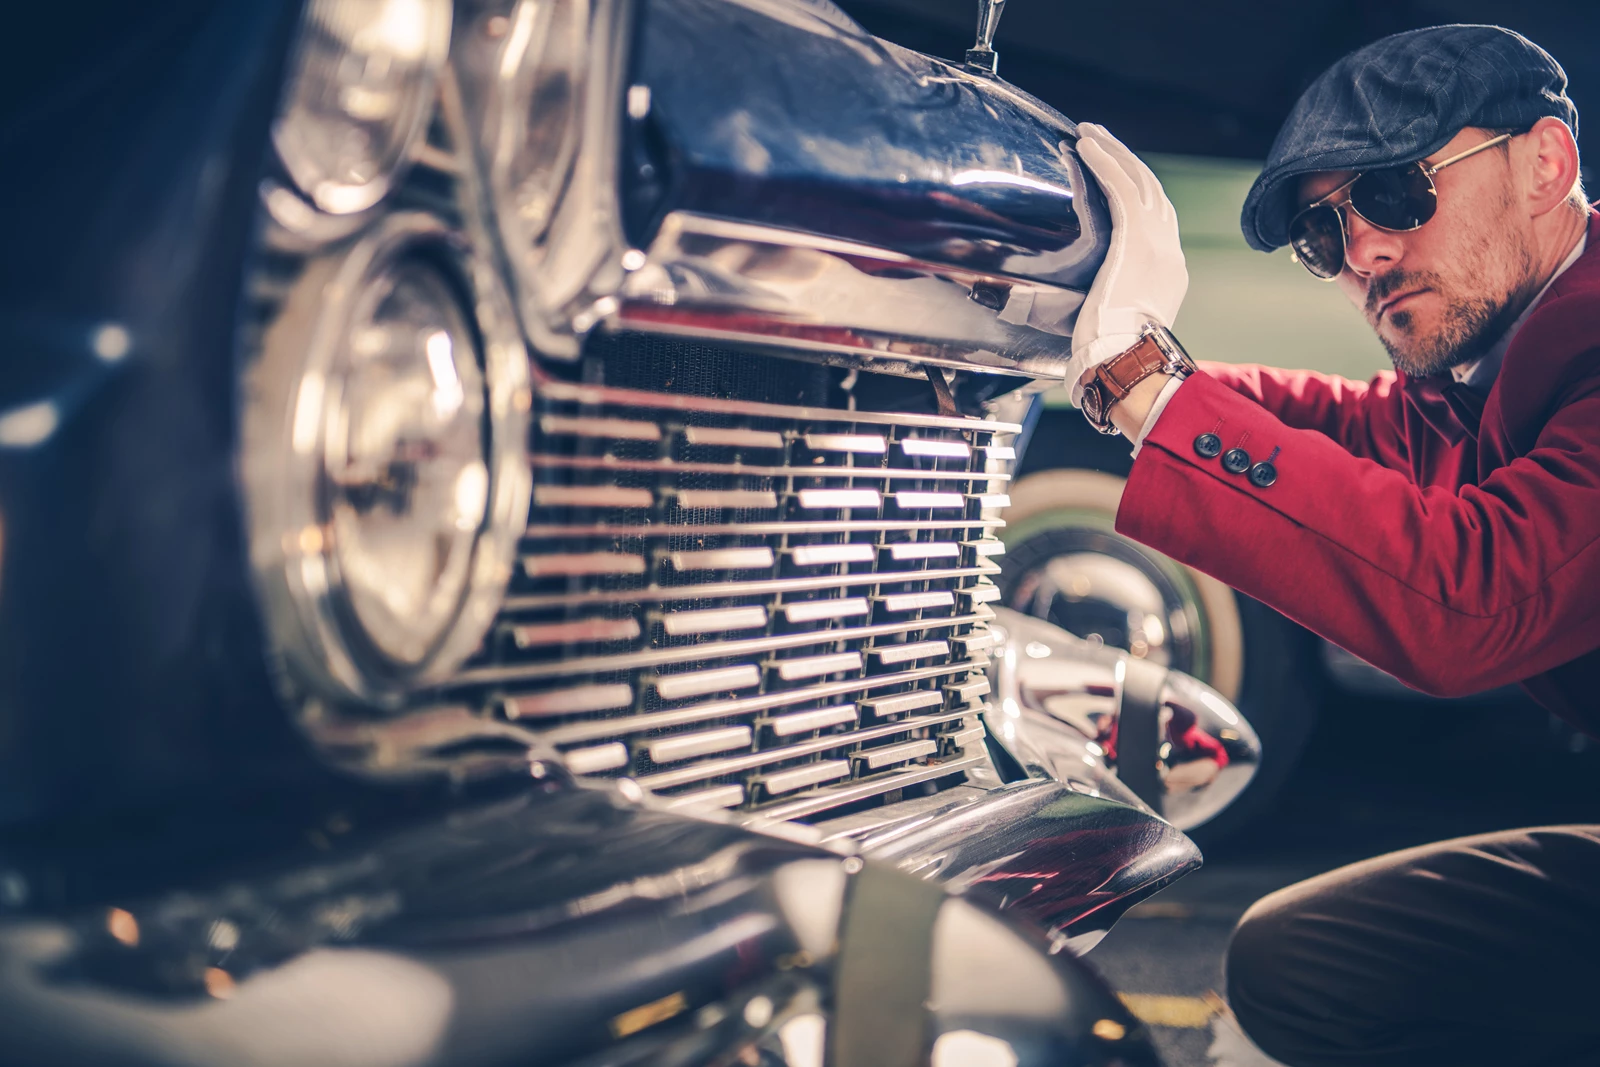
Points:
point(1453, 592)
point(1366, 418)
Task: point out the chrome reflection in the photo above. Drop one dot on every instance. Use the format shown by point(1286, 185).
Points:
point(845, 301)
point(1204, 752)
point(1112, 602)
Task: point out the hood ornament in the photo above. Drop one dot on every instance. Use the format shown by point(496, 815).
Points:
point(981, 57)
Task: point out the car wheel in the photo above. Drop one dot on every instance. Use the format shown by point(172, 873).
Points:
point(1066, 563)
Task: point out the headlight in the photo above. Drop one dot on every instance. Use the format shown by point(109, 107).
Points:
point(360, 93)
point(385, 460)
point(537, 117)
point(542, 83)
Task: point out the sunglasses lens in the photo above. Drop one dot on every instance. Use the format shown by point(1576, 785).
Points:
point(1317, 238)
point(1395, 198)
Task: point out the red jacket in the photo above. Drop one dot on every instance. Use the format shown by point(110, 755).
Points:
point(1457, 549)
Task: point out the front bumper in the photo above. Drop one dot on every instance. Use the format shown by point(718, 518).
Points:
point(1067, 842)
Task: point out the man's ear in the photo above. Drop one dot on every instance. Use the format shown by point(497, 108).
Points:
point(1549, 158)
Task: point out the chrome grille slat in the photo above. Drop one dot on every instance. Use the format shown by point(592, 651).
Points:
point(724, 598)
point(723, 650)
point(799, 527)
point(888, 782)
point(603, 395)
point(666, 466)
point(755, 588)
point(660, 720)
point(713, 768)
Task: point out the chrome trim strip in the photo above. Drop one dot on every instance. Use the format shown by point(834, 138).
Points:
point(714, 620)
point(712, 768)
point(902, 702)
point(800, 777)
point(942, 598)
point(988, 546)
point(802, 722)
point(917, 446)
point(551, 461)
point(720, 796)
point(966, 737)
point(570, 702)
point(976, 641)
point(921, 499)
point(816, 555)
point(910, 652)
point(923, 550)
point(572, 564)
point(589, 426)
point(847, 442)
point(824, 799)
point(791, 670)
point(575, 631)
point(878, 758)
point(572, 733)
point(839, 498)
point(713, 435)
point(719, 650)
point(724, 559)
point(967, 692)
point(975, 595)
point(816, 610)
point(536, 601)
point(699, 683)
point(727, 498)
point(992, 500)
point(809, 526)
point(855, 302)
point(591, 496)
point(551, 388)
point(687, 746)
point(599, 758)
point(1000, 451)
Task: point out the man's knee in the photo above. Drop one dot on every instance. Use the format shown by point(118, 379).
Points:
point(1255, 959)
point(1263, 973)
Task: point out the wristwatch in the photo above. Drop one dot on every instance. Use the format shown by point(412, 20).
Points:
point(1155, 351)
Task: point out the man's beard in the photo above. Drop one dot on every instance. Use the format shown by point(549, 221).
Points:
point(1469, 327)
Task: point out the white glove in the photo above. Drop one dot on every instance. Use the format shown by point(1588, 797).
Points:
point(1144, 277)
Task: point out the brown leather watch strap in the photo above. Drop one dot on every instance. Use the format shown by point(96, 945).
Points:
point(1119, 374)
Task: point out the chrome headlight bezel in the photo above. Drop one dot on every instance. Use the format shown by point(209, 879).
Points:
point(286, 413)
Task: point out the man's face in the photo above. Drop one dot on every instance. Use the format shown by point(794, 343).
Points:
point(1441, 295)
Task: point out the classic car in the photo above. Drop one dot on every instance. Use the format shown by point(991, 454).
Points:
point(499, 507)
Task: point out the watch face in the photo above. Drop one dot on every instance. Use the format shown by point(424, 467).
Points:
point(1091, 403)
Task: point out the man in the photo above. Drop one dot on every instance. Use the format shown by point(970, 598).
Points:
point(1441, 521)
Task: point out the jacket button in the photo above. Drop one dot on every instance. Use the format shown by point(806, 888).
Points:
point(1263, 474)
point(1236, 461)
point(1208, 445)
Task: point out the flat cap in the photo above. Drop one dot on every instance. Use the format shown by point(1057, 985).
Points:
point(1400, 99)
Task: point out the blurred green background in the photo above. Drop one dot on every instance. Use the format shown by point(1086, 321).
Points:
point(1246, 307)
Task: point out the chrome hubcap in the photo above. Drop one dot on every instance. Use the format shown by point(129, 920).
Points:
point(1107, 590)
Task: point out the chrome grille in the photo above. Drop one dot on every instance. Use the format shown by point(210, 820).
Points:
point(753, 605)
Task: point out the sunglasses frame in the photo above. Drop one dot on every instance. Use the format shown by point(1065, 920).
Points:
point(1339, 199)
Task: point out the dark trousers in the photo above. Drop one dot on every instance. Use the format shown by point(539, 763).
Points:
point(1482, 950)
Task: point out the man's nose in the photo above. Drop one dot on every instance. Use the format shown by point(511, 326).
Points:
point(1369, 250)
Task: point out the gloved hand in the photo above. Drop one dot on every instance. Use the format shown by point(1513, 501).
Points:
point(1144, 277)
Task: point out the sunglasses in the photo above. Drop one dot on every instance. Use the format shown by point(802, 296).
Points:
point(1394, 198)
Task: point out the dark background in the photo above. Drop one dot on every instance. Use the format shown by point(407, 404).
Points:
point(1211, 78)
